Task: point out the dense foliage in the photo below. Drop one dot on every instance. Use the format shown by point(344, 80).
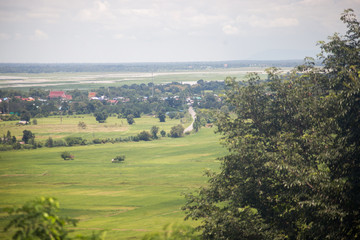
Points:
point(293, 168)
point(135, 99)
point(177, 131)
point(38, 219)
point(28, 136)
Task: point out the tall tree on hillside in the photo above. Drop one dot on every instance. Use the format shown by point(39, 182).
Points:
point(293, 168)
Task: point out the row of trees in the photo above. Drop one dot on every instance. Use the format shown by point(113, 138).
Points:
point(141, 99)
point(29, 138)
point(293, 168)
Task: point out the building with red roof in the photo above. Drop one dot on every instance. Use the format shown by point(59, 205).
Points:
point(59, 94)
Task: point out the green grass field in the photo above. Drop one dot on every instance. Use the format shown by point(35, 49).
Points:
point(60, 127)
point(126, 199)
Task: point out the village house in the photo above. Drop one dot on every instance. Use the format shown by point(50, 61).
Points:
point(59, 94)
point(91, 95)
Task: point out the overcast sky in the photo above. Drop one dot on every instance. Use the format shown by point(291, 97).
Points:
point(60, 31)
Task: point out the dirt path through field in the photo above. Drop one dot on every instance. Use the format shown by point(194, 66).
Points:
point(193, 115)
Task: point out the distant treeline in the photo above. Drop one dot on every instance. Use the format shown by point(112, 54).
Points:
point(138, 67)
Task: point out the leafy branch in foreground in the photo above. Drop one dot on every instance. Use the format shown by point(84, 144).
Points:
point(38, 219)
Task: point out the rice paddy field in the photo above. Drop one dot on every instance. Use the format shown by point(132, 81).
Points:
point(127, 199)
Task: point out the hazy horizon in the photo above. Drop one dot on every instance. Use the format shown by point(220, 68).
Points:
point(158, 31)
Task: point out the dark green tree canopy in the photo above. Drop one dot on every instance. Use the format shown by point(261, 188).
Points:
point(161, 116)
point(28, 136)
point(154, 131)
point(130, 119)
point(38, 219)
point(177, 131)
point(293, 168)
point(101, 116)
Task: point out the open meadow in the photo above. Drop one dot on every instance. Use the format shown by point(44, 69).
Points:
point(67, 126)
point(127, 199)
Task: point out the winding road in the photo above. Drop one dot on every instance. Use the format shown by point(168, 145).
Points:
point(193, 115)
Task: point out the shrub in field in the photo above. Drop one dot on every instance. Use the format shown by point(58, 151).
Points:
point(71, 141)
point(154, 131)
point(4, 147)
point(66, 155)
point(82, 125)
point(163, 133)
point(59, 143)
point(119, 158)
point(130, 119)
point(177, 131)
point(49, 142)
point(144, 136)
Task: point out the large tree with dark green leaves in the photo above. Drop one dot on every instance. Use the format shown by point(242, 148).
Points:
point(28, 136)
point(293, 168)
point(101, 116)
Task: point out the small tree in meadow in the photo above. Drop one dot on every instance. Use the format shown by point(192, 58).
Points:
point(119, 158)
point(66, 155)
point(130, 119)
point(28, 136)
point(82, 125)
point(154, 131)
point(101, 116)
point(144, 136)
point(49, 142)
point(161, 116)
point(177, 131)
point(163, 133)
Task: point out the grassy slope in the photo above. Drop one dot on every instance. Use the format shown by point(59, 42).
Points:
point(127, 199)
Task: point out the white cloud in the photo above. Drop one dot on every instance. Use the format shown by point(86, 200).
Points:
point(283, 22)
point(39, 35)
point(122, 36)
point(256, 21)
point(18, 36)
point(5, 36)
point(230, 30)
point(119, 36)
point(99, 11)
